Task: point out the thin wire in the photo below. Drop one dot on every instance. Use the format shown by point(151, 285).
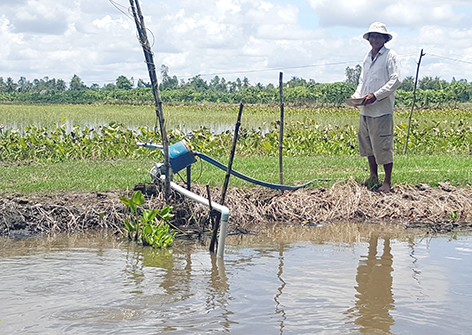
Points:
point(117, 6)
point(275, 68)
point(453, 59)
point(129, 15)
point(283, 68)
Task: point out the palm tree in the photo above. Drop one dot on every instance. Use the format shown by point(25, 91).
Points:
point(11, 86)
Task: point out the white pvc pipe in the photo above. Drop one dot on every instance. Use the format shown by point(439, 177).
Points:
point(150, 145)
point(222, 209)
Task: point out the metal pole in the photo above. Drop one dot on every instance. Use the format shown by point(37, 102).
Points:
point(414, 100)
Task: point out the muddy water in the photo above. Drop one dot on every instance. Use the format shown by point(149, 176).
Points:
point(350, 282)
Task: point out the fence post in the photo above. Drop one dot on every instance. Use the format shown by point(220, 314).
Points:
point(281, 133)
point(413, 102)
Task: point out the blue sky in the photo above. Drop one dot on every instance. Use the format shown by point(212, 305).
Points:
point(311, 39)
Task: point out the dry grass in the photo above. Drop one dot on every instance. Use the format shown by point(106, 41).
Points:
point(441, 208)
point(349, 201)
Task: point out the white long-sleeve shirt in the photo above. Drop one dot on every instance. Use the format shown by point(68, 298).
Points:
point(380, 76)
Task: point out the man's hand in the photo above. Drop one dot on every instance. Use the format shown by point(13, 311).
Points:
point(369, 99)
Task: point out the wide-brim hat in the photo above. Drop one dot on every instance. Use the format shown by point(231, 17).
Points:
point(378, 27)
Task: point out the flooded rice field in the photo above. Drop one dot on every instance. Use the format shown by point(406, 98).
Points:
point(284, 281)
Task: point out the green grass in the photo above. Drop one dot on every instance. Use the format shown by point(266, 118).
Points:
point(122, 174)
point(26, 176)
point(73, 176)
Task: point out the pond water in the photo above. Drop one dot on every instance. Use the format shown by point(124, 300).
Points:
point(187, 128)
point(98, 284)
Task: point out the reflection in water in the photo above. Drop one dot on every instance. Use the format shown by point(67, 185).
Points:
point(177, 277)
point(278, 308)
point(98, 285)
point(416, 272)
point(374, 287)
point(218, 290)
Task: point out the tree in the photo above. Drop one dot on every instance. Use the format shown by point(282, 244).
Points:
point(295, 82)
point(218, 84)
point(460, 90)
point(430, 83)
point(245, 82)
point(60, 85)
point(142, 83)
point(109, 87)
point(408, 84)
point(197, 83)
point(123, 83)
point(232, 86)
point(168, 83)
point(76, 83)
point(24, 85)
point(95, 87)
point(215, 82)
point(164, 72)
point(11, 86)
point(239, 84)
point(352, 75)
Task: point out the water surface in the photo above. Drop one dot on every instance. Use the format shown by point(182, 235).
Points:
point(97, 284)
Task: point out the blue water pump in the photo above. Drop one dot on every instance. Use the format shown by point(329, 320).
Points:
point(180, 156)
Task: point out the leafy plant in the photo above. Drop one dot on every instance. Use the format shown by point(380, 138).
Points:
point(453, 215)
point(132, 221)
point(157, 235)
point(155, 231)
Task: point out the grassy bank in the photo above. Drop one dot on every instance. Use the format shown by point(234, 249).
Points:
point(43, 177)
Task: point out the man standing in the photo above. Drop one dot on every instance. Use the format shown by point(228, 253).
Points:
point(379, 79)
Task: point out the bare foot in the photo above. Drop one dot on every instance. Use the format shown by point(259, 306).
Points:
point(385, 188)
point(370, 183)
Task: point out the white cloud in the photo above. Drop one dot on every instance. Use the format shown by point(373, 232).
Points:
point(359, 13)
point(231, 38)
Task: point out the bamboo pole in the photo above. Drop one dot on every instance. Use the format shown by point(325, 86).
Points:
point(413, 102)
point(281, 133)
point(143, 39)
point(228, 174)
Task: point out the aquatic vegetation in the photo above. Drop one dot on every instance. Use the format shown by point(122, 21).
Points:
point(150, 225)
point(60, 143)
point(440, 133)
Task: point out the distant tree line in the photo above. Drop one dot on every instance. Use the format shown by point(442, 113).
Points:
point(431, 92)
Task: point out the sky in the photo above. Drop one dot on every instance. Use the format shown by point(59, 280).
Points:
point(310, 39)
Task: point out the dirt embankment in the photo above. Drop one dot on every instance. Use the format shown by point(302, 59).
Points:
point(440, 209)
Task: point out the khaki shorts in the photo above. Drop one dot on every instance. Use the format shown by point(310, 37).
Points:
point(376, 138)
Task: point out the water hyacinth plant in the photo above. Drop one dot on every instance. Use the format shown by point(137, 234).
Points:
point(301, 138)
point(149, 225)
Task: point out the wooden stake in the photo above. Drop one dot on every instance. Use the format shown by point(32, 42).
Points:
point(139, 20)
point(281, 133)
point(228, 174)
point(414, 101)
point(213, 220)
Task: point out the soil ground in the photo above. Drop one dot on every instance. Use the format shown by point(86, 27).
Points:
point(439, 209)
